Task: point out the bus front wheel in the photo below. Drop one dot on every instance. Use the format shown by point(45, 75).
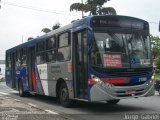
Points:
point(113, 102)
point(64, 95)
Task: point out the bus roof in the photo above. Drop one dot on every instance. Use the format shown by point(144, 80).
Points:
point(74, 24)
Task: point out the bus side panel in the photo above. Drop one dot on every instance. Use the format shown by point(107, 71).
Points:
point(61, 70)
point(21, 74)
point(40, 73)
point(8, 77)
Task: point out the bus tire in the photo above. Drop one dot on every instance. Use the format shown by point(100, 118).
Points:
point(21, 91)
point(113, 102)
point(64, 95)
point(159, 91)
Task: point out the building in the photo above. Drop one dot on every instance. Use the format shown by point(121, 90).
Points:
point(2, 69)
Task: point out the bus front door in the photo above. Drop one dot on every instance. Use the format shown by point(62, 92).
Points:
point(80, 64)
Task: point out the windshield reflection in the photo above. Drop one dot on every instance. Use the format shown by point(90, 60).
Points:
point(120, 50)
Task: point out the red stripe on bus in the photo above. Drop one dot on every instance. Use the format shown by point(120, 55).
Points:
point(33, 81)
point(120, 80)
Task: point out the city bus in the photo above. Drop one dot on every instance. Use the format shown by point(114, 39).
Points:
point(96, 58)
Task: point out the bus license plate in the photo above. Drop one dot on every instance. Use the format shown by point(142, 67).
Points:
point(130, 91)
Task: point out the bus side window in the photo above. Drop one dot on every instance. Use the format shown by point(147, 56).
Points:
point(40, 46)
point(24, 56)
point(40, 58)
point(40, 52)
point(8, 60)
point(51, 49)
point(64, 47)
point(51, 43)
point(51, 56)
point(18, 58)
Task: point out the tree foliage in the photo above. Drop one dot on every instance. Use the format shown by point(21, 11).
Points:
point(94, 7)
point(155, 47)
point(54, 27)
point(46, 30)
point(30, 38)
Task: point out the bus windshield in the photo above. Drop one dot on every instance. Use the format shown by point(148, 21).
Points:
point(120, 50)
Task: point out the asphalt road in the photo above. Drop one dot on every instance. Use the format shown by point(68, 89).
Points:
point(146, 108)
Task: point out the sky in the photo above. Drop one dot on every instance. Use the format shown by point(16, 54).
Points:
point(21, 19)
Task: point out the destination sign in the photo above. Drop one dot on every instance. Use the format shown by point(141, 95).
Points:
point(122, 22)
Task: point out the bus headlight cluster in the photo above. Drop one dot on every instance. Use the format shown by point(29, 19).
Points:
point(102, 83)
point(95, 79)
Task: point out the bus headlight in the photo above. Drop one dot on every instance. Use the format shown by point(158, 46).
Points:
point(95, 79)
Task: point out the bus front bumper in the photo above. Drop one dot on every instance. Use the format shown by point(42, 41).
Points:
point(102, 91)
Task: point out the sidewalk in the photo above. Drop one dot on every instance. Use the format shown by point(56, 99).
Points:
point(14, 109)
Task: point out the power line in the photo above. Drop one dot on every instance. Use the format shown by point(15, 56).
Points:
point(45, 10)
point(37, 9)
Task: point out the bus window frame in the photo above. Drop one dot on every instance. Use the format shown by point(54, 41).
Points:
point(40, 52)
point(65, 46)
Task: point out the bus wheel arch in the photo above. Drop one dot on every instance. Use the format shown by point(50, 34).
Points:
point(22, 93)
point(58, 84)
point(62, 93)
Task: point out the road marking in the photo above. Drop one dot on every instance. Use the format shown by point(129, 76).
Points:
point(14, 91)
point(2, 93)
point(32, 105)
point(51, 112)
point(17, 100)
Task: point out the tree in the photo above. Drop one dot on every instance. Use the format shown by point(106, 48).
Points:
point(30, 38)
point(46, 30)
point(155, 47)
point(54, 27)
point(94, 7)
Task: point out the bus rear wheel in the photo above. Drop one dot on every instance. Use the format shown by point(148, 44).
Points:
point(21, 91)
point(113, 102)
point(64, 95)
